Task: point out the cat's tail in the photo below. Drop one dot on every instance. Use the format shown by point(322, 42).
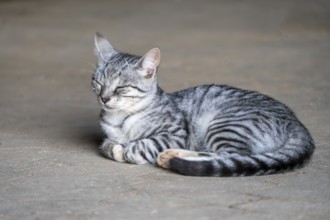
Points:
point(294, 154)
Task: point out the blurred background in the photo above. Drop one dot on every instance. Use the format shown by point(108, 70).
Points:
point(49, 133)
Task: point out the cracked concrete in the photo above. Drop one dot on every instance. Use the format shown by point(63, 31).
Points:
point(49, 164)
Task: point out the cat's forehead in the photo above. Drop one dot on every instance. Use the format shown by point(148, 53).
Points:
point(124, 59)
point(120, 64)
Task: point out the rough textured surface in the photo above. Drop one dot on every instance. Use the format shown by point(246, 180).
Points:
point(49, 164)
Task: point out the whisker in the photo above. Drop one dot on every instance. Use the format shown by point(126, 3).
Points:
point(93, 65)
point(87, 70)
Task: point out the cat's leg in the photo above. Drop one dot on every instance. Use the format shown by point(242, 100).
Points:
point(147, 150)
point(163, 159)
point(112, 150)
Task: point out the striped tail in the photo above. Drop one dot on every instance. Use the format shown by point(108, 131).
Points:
point(294, 154)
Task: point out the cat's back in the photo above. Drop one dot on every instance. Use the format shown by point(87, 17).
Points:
point(208, 98)
point(195, 96)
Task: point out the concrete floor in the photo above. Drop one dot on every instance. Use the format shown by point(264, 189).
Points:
point(49, 164)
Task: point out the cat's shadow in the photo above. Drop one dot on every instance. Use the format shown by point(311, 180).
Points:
point(90, 136)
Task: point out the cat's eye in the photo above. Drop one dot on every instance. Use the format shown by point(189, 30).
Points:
point(122, 90)
point(96, 85)
point(129, 91)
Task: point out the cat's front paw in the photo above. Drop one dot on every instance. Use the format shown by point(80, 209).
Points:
point(113, 151)
point(118, 153)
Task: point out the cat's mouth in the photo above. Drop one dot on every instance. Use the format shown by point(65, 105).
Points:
point(107, 107)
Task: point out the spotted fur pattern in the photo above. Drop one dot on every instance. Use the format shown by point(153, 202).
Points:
point(235, 132)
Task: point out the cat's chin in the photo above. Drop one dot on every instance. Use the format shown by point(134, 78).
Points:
point(108, 108)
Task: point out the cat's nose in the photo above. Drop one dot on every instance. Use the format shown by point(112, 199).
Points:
point(105, 99)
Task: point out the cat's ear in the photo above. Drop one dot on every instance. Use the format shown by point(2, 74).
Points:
point(149, 63)
point(103, 48)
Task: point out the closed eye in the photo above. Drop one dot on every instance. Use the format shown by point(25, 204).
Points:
point(97, 85)
point(97, 82)
point(122, 89)
point(130, 91)
point(133, 87)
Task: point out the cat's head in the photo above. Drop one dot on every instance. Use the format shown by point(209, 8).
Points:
point(123, 81)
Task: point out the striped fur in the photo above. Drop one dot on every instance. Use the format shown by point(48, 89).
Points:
point(237, 132)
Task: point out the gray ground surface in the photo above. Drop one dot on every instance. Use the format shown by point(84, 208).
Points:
point(49, 164)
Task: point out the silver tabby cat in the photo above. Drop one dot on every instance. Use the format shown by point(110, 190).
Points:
point(209, 130)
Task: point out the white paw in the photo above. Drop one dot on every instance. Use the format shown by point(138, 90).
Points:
point(118, 153)
point(163, 159)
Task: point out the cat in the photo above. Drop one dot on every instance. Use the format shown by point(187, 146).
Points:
point(210, 130)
